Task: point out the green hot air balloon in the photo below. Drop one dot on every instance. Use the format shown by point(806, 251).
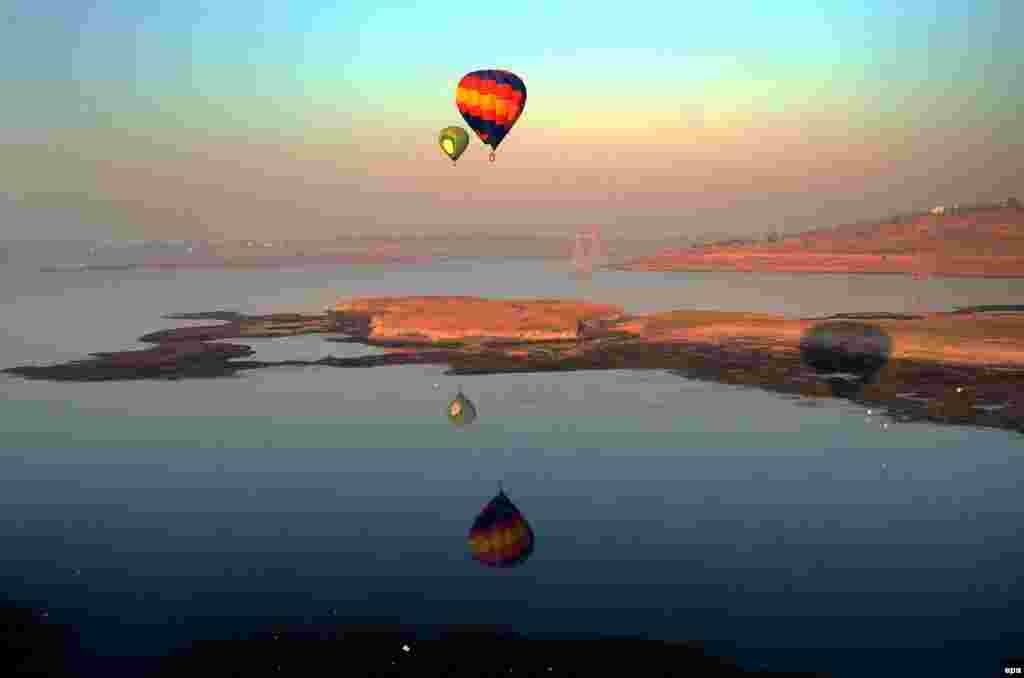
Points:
point(453, 141)
point(460, 410)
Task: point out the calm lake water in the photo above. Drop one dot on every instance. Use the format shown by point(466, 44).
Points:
point(794, 537)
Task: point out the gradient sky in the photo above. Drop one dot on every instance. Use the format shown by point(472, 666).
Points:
point(158, 119)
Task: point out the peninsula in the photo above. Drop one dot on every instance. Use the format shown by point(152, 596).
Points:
point(965, 366)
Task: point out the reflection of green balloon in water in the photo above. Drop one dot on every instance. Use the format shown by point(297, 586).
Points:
point(453, 142)
point(461, 411)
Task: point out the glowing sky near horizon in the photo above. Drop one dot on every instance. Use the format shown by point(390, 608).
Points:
point(147, 119)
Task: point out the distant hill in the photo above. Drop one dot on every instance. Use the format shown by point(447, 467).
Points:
point(985, 242)
point(996, 231)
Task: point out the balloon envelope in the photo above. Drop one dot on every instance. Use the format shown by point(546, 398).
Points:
point(490, 102)
point(500, 536)
point(453, 141)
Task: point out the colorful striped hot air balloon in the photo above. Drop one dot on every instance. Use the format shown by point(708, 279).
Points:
point(500, 536)
point(490, 102)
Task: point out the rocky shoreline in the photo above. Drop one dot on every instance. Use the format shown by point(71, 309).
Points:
point(964, 367)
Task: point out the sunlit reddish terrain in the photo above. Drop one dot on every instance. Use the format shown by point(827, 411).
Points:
point(459, 318)
point(981, 243)
point(963, 367)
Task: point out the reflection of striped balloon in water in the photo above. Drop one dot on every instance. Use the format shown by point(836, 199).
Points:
point(491, 102)
point(500, 536)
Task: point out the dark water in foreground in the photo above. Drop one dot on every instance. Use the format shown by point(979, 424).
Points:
point(800, 538)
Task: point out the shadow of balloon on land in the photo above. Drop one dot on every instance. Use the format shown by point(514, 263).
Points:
point(846, 354)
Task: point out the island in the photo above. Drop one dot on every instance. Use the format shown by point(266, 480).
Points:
point(962, 367)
